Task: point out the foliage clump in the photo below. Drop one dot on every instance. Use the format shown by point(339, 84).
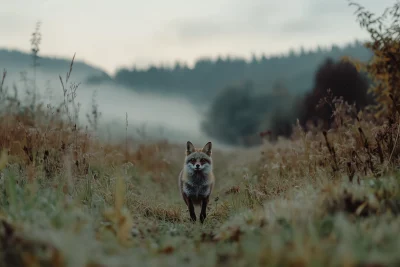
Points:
point(384, 68)
point(333, 79)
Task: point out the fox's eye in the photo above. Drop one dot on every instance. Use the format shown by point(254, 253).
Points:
point(193, 161)
point(203, 161)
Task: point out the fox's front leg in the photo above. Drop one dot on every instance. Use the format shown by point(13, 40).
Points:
point(191, 209)
point(203, 213)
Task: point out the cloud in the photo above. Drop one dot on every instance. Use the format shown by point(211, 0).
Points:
point(323, 8)
point(238, 18)
point(200, 28)
point(14, 23)
point(318, 7)
point(328, 17)
point(248, 19)
point(302, 26)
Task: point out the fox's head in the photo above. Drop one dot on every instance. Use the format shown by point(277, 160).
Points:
point(198, 160)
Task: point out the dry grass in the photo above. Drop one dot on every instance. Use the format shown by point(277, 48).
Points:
point(318, 199)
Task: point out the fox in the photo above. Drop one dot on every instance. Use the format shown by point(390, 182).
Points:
point(196, 179)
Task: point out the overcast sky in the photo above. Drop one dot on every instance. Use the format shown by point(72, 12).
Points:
point(112, 34)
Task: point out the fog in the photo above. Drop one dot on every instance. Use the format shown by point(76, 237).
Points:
point(150, 117)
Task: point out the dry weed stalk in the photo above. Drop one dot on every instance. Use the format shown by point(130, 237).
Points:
point(119, 218)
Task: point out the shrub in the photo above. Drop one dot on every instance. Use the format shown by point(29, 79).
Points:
point(342, 80)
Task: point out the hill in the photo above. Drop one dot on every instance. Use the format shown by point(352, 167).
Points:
point(293, 71)
point(16, 61)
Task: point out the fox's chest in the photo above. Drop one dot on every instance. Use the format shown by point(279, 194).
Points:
point(197, 187)
point(197, 191)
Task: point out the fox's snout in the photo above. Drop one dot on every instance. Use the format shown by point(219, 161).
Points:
point(197, 167)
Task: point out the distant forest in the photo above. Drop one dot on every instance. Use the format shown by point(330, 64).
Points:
point(293, 72)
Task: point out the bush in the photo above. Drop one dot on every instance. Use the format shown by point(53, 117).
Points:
point(342, 80)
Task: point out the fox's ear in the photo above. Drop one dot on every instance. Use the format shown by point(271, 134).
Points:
point(189, 148)
point(207, 148)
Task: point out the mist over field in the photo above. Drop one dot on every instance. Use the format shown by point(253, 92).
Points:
point(150, 116)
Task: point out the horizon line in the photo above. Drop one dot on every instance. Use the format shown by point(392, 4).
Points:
point(185, 63)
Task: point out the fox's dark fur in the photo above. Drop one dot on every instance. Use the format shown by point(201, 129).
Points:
point(196, 180)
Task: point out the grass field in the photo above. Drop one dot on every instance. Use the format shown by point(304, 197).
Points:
point(319, 199)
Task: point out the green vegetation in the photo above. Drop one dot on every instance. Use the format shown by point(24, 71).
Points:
point(322, 198)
